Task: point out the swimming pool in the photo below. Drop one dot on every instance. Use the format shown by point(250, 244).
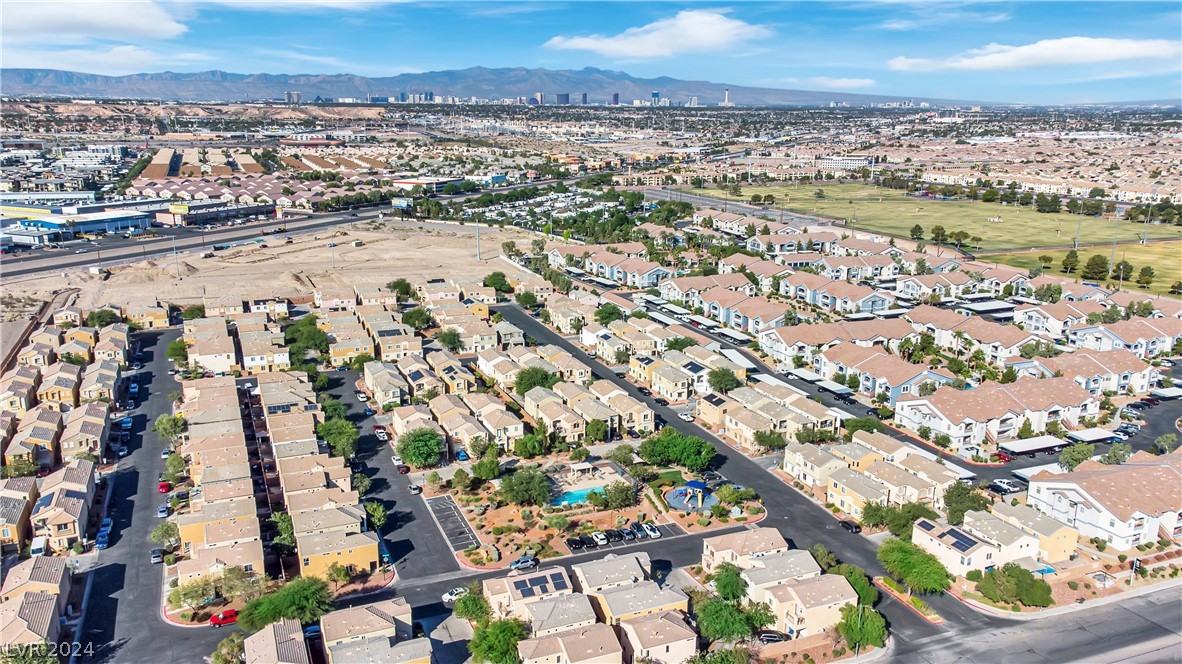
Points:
point(573, 497)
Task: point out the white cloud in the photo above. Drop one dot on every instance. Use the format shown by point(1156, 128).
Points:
point(300, 5)
point(111, 61)
point(55, 21)
point(841, 83)
point(689, 31)
point(927, 16)
point(1047, 53)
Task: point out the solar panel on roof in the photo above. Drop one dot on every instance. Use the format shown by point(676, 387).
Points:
point(520, 585)
point(527, 592)
point(927, 525)
point(537, 581)
point(560, 584)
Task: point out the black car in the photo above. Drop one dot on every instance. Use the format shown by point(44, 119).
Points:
point(851, 526)
point(661, 401)
point(769, 636)
point(613, 535)
point(628, 535)
point(637, 529)
point(1137, 405)
point(574, 544)
point(645, 391)
point(588, 542)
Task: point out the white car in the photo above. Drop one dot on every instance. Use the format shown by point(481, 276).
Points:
point(362, 397)
point(454, 594)
point(397, 460)
point(382, 435)
point(1119, 435)
point(685, 417)
point(1167, 363)
point(599, 538)
point(653, 531)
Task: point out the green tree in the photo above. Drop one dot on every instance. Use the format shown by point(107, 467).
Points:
point(194, 312)
point(596, 431)
point(1146, 276)
point(473, 606)
point(401, 287)
point(340, 435)
point(177, 351)
point(527, 486)
point(917, 232)
point(1122, 271)
point(1117, 454)
point(722, 380)
point(823, 556)
point(450, 339)
point(421, 448)
point(729, 583)
point(361, 483)
point(1071, 261)
point(861, 626)
point(1096, 268)
point(529, 446)
point(488, 468)
point(498, 282)
point(230, 650)
point(526, 299)
point(336, 574)
point(919, 570)
point(1076, 454)
point(174, 465)
point(102, 318)
point(461, 480)
point(721, 621)
point(855, 424)
point(165, 533)
point(1165, 443)
point(495, 642)
point(193, 594)
point(1026, 430)
point(867, 592)
point(531, 377)
point(283, 524)
point(619, 495)
point(939, 235)
point(770, 440)
point(331, 407)
point(238, 584)
point(376, 513)
point(418, 318)
point(959, 498)
point(305, 599)
point(1010, 375)
point(680, 343)
point(671, 447)
point(608, 313)
point(170, 427)
point(358, 363)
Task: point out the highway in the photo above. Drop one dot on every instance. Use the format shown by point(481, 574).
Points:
point(736, 206)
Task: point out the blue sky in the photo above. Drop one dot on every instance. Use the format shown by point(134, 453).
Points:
point(1037, 52)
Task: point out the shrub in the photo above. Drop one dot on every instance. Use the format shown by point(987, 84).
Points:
point(170, 559)
point(1074, 585)
point(974, 575)
point(1122, 557)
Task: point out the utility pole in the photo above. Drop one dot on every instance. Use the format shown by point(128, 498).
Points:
point(477, 240)
point(175, 261)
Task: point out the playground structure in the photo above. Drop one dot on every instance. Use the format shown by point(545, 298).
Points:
point(694, 496)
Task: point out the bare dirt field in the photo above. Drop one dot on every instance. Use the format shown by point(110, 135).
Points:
point(294, 269)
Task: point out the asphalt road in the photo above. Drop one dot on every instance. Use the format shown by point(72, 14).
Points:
point(123, 616)
point(415, 544)
point(734, 205)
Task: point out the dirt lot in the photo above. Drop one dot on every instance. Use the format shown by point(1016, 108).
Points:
point(294, 269)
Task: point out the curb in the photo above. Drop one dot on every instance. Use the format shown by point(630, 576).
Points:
point(935, 620)
point(1068, 608)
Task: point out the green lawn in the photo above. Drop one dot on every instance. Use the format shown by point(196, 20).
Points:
point(890, 211)
point(673, 476)
point(1165, 257)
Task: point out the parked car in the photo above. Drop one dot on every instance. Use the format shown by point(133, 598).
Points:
point(156, 556)
point(165, 453)
point(600, 538)
point(369, 411)
point(627, 534)
point(106, 524)
point(850, 526)
point(403, 470)
point(227, 617)
point(382, 436)
point(312, 632)
point(415, 489)
point(652, 530)
point(454, 594)
point(710, 476)
point(661, 401)
point(524, 562)
point(461, 456)
point(767, 636)
point(637, 529)
point(164, 487)
point(162, 512)
point(1003, 457)
point(103, 540)
point(613, 535)
point(588, 542)
point(685, 417)
point(1004, 486)
point(1120, 435)
point(361, 396)
point(645, 391)
point(574, 544)
point(397, 460)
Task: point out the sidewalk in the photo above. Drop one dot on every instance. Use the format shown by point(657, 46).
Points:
point(1072, 608)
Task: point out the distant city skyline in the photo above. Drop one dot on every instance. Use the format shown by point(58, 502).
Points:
point(1049, 52)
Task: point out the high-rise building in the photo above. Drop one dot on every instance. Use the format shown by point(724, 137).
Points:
point(562, 99)
point(693, 102)
point(540, 98)
point(291, 97)
point(615, 99)
point(584, 98)
point(430, 96)
point(656, 97)
point(726, 98)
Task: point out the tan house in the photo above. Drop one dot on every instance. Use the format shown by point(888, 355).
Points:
point(740, 548)
point(17, 495)
point(559, 614)
point(356, 552)
point(804, 607)
point(39, 574)
point(634, 600)
point(510, 596)
point(85, 430)
point(29, 619)
point(594, 644)
point(851, 491)
point(389, 618)
point(281, 642)
point(661, 637)
point(561, 421)
point(148, 314)
point(1056, 540)
point(59, 386)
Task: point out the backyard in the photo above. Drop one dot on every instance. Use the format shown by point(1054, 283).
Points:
point(892, 212)
point(1164, 257)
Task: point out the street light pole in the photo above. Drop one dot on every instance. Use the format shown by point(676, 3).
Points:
point(175, 261)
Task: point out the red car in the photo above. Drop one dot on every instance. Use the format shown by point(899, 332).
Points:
point(163, 487)
point(402, 470)
point(1003, 457)
point(227, 617)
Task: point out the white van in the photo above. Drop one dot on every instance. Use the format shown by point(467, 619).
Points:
point(40, 546)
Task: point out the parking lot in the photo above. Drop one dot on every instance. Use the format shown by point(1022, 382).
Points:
point(667, 530)
point(453, 524)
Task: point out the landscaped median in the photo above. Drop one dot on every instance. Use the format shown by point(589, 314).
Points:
point(920, 607)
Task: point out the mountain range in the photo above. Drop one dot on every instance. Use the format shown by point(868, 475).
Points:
point(598, 84)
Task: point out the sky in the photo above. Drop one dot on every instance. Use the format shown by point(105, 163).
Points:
point(1032, 52)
